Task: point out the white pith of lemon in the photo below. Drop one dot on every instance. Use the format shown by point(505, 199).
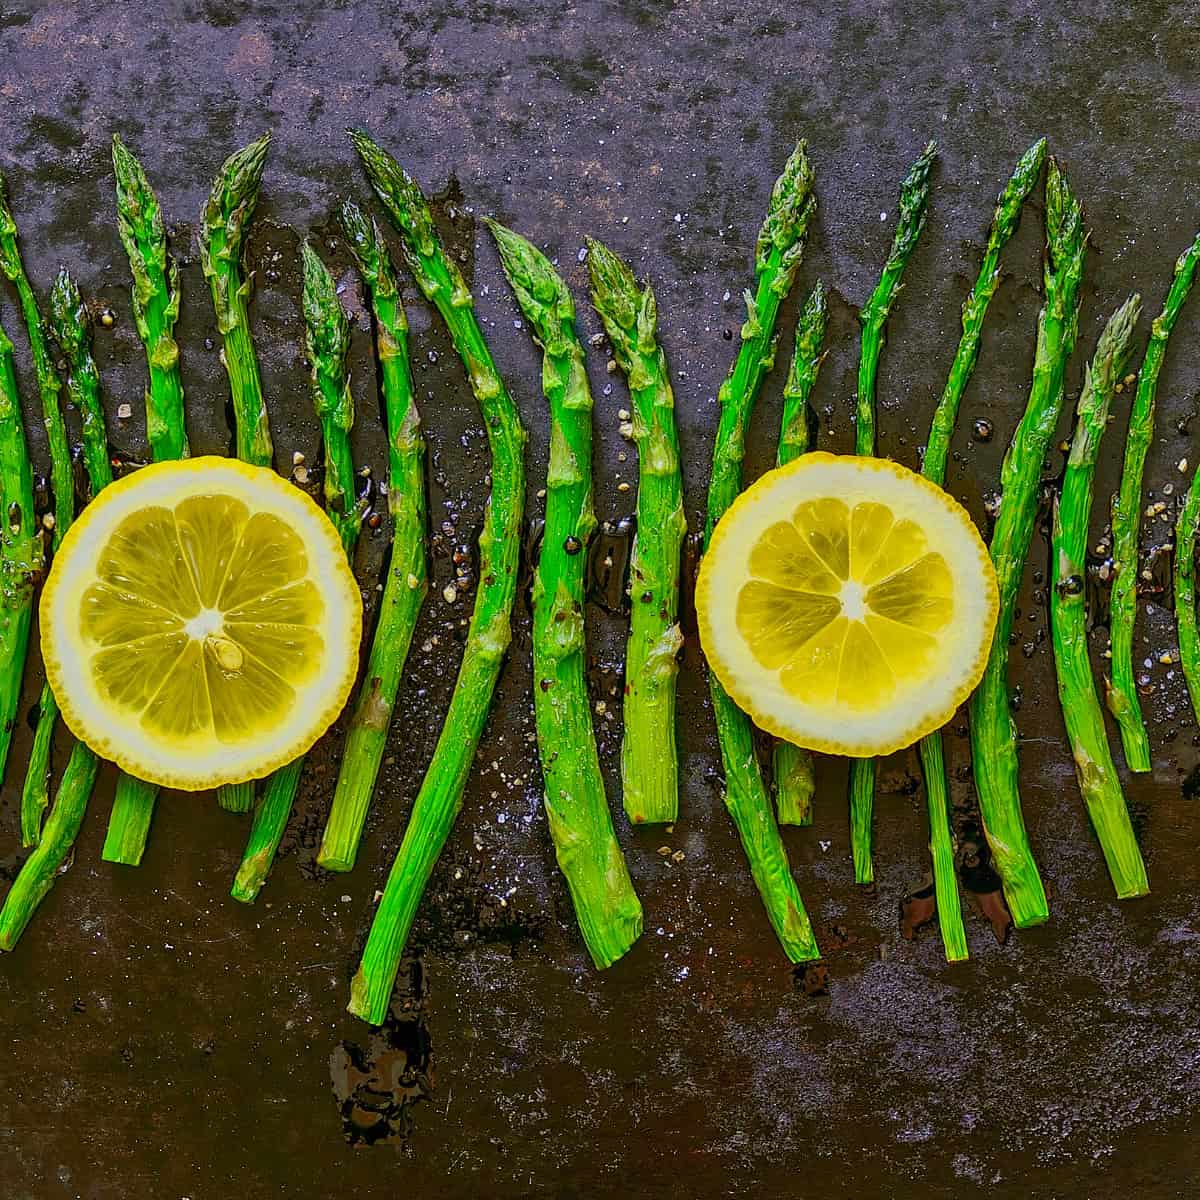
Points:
point(847, 604)
point(200, 623)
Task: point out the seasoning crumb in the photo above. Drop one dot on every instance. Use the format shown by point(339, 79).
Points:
point(297, 458)
point(622, 414)
point(124, 411)
point(622, 487)
point(300, 474)
point(450, 593)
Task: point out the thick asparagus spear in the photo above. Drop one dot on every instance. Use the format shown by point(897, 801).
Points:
point(62, 479)
point(72, 330)
point(649, 759)
point(490, 630)
point(777, 258)
point(20, 548)
point(155, 298)
point(993, 732)
point(71, 327)
point(914, 202)
point(792, 766)
point(606, 906)
point(407, 579)
point(223, 226)
point(933, 766)
point(1082, 713)
point(327, 341)
point(1122, 693)
point(1185, 591)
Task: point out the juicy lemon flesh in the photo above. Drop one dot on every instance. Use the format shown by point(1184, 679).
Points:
point(845, 602)
point(219, 601)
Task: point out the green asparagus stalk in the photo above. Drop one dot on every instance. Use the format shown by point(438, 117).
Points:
point(62, 479)
point(1082, 713)
point(1121, 693)
point(407, 580)
point(490, 632)
point(20, 548)
point(1185, 591)
point(914, 202)
point(777, 259)
point(155, 297)
point(72, 330)
point(223, 226)
point(327, 340)
point(792, 766)
point(649, 759)
point(606, 906)
point(71, 326)
point(993, 732)
point(941, 430)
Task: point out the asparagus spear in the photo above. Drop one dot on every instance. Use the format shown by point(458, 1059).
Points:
point(1122, 694)
point(933, 767)
point(606, 906)
point(649, 760)
point(327, 340)
point(62, 480)
point(407, 579)
point(222, 234)
point(20, 548)
point(155, 297)
point(70, 323)
point(914, 201)
point(490, 630)
point(993, 732)
point(72, 328)
point(777, 258)
point(1185, 591)
point(792, 766)
point(1068, 611)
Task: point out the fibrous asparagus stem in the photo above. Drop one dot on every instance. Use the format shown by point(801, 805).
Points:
point(606, 906)
point(649, 759)
point(1121, 693)
point(407, 580)
point(993, 732)
point(327, 341)
point(1185, 591)
point(777, 258)
point(1082, 713)
point(489, 633)
point(62, 479)
point(72, 330)
point(223, 226)
point(155, 298)
point(1004, 222)
point(914, 202)
point(20, 548)
point(792, 766)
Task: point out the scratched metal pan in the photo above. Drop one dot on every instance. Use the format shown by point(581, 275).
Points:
point(162, 1040)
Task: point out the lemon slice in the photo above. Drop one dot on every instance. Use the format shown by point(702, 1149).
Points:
point(847, 604)
point(200, 624)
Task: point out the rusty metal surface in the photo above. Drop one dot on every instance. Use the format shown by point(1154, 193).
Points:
point(161, 1040)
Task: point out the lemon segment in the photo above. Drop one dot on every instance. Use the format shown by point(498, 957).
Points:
point(200, 623)
point(847, 604)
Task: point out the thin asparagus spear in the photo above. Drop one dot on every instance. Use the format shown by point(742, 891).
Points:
point(606, 906)
point(155, 297)
point(222, 234)
point(407, 581)
point(792, 766)
point(941, 430)
point(993, 732)
point(72, 330)
point(70, 324)
point(914, 201)
point(777, 258)
point(1082, 713)
point(62, 479)
point(1185, 591)
point(649, 759)
point(20, 548)
point(327, 340)
point(490, 631)
point(1121, 693)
